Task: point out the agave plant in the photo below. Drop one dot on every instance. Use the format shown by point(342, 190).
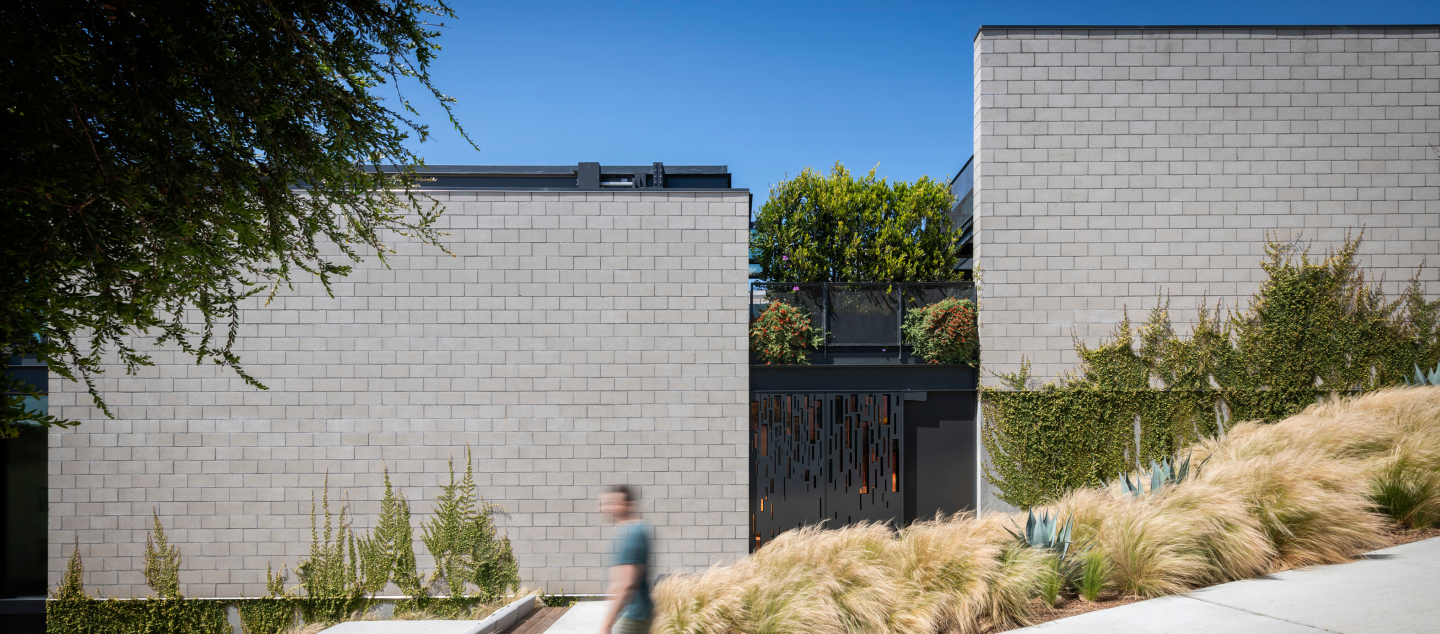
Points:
point(1422, 379)
point(1046, 533)
point(1161, 474)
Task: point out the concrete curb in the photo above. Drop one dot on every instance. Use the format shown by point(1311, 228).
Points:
point(506, 616)
point(493, 624)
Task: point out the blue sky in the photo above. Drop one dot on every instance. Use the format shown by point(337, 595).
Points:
point(767, 88)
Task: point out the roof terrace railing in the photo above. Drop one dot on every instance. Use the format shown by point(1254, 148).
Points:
point(858, 315)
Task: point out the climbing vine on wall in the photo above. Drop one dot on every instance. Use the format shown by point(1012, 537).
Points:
point(1315, 328)
point(340, 578)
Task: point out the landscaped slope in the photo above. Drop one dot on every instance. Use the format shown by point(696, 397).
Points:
point(1318, 487)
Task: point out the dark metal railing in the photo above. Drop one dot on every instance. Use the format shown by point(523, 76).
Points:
point(857, 315)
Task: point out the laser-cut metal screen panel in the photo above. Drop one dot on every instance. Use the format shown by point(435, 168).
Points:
point(833, 456)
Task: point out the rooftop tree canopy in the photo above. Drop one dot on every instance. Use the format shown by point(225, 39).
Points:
point(838, 228)
point(153, 151)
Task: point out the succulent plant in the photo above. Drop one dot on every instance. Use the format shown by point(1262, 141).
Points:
point(1161, 474)
point(1046, 532)
point(1422, 378)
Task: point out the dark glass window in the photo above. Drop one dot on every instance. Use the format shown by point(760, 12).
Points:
point(24, 494)
point(26, 504)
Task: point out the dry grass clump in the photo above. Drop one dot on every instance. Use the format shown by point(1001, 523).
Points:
point(1319, 487)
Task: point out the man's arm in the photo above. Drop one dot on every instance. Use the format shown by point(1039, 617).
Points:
point(624, 580)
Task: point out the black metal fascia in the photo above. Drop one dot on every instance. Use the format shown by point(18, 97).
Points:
point(873, 378)
point(554, 170)
point(589, 176)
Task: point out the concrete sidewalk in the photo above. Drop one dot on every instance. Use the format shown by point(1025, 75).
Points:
point(582, 618)
point(1390, 591)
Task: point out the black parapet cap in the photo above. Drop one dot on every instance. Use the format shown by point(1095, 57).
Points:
point(579, 177)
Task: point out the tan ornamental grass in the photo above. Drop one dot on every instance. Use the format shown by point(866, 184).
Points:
point(1319, 487)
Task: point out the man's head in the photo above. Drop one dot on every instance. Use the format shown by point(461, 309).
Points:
point(618, 502)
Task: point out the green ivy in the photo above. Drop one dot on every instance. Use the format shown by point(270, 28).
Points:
point(74, 612)
point(272, 615)
point(331, 574)
point(342, 569)
point(389, 552)
point(162, 562)
point(468, 549)
point(136, 616)
point(558, 600)
point(1314, 329)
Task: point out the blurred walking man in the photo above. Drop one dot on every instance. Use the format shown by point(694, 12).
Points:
point(630, 568)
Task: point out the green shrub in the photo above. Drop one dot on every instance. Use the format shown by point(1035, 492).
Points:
point(783, 335)
point(944, 332)
point(839, 228)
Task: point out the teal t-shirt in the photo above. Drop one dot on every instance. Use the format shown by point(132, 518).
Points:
point(632, 546)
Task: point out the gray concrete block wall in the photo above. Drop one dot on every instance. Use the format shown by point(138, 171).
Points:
point(1118, 165)
point(574, 341)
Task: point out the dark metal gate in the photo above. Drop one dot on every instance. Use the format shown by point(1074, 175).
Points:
point(825, 456)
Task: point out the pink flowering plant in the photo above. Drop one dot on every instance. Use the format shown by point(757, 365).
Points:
point(944, 332)
point(783, 335)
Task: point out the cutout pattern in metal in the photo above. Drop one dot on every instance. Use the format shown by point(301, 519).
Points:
point(824, 456)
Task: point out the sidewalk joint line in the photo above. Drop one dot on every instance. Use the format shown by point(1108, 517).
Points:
point(1273, 618)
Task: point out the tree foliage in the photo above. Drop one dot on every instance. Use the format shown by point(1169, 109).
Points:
point(1314, 329)
point(172, 156)
point(838, 228)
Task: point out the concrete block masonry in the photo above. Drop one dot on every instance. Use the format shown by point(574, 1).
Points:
point(573, 341)
point(1114, 166)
